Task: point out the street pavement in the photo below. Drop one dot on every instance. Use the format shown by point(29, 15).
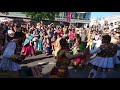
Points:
point(79, 73)
point(42, 58)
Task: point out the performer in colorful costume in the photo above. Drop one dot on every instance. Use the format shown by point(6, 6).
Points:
point(27, 48)
point(57, 46)
point(79, 46)
point(63, 60)
point(46, 43)
point(106, 58)
point(9, 63)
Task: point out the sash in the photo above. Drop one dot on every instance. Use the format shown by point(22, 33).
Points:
point(10, 50)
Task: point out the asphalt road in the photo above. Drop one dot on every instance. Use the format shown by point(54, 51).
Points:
point(42, 58)
point(80, 73)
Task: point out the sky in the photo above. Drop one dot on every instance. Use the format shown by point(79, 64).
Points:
point(102, 14)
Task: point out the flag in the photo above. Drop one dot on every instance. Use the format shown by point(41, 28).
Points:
point(69, 17)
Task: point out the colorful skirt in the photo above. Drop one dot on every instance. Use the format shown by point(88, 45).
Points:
point(59, 73)
point(8, 65)
point(101, 63)
point(118, 53)
point(81, 60)
point(27, 50)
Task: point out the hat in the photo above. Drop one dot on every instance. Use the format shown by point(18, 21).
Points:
point(28, 40)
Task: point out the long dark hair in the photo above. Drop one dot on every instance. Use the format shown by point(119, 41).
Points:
point(106, 39)
point(63, 43)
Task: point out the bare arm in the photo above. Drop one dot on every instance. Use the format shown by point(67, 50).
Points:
point(95, 51)
point(70, 56)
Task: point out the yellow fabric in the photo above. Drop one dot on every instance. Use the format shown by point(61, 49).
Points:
point(57, 46)
point(89, 36)
point(89, 44)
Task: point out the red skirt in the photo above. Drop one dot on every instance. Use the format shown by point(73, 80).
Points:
point(59, 73)
point(81, 60)
point(27, 50)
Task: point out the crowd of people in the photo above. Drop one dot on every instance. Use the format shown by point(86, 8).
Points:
point(70, 45)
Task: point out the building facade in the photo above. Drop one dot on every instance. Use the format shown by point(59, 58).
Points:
point(109, 19)
point(81, 19)
point(14, 16)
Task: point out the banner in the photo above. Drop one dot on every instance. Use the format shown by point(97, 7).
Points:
point(69, 17)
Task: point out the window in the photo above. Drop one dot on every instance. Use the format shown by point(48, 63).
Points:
point(84, 16)
point(65, 14)
point(60, 14)
point(81, 16)
point(76, 15)
point(73, 15)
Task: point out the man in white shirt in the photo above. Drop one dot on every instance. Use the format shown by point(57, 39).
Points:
point(111, 27)
point(83, 37)
point(98, 43)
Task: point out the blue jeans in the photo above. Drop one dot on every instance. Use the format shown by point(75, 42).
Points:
point(71, 43)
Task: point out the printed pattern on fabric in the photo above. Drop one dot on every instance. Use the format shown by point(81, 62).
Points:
point(108, 50)
point(61, 68)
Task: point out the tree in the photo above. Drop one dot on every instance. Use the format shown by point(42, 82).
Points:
point(41, 15)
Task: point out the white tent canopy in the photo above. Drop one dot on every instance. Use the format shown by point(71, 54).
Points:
point(4, 19)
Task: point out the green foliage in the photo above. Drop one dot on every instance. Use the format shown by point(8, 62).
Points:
point(41, 15)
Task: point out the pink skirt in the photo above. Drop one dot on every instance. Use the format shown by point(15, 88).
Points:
point(81, 60)
point(27, 50)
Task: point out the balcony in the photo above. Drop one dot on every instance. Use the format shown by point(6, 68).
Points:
point(72, 20)
point(79, 21)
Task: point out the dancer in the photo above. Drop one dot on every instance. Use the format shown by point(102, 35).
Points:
point(11, 58)
point(105, 60)
point(27, 48)
point(79, 46)
point(63, 60)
